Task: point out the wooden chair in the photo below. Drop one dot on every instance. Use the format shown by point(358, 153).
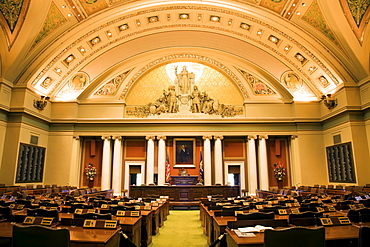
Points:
point(364, 237)
point(94, 216)
point(39, 236)
point(295, 237)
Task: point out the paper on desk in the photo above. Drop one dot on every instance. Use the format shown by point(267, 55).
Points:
point(244, 234)
point(257, 228)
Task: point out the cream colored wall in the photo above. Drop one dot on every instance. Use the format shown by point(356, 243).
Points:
point(16, 134)
point(311, 158)
point(59, 159)
point(2, 141)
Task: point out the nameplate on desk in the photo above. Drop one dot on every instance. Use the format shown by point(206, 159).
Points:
point(288, 205)
point(331, 208)
point(42, 207)
point(238, 212)
point(47, 221)
point(155, 204)
point(121, 203)
point(110, 224)
point(326, 221)
point(29, 220)
point(148, 207)
point(344, 220)
point(259, 206)
point(89, 223)
point(78, 211)
point(135, 213)
point(120, 213)
point(53, 208)
point(137, 207)
point(91, 211)
point(320, 209)
point(282, 211)
point(253, 211)
point(104, 206)
point(246, 203)
point(294, 211)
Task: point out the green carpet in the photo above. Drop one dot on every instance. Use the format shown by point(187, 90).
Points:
point(181, 229)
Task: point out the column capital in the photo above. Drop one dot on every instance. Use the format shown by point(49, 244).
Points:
point(77, 138)
point(161, 137)
point(117, 138)
point(260, 137)
point(149, 138)
point(218, 137)
point(105, 137)
point(207, 137)
point(293, 137)
point(250, 137)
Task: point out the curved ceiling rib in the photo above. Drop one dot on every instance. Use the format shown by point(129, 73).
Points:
point(268, 42)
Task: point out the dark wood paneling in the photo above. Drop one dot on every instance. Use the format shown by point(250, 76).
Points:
point(184, 193)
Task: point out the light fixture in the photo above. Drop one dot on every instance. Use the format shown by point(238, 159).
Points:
point(259, 32)
point(95, 41)
point(245, 26)
point(214, 18)
point(69, 59)
point(123, 27)
point(138, 23)
point(184, 16)
point(41, 103)
point(329, 101)
point(273, 39)
point(199, 17)
point(230, 22)
point(109, 34)
point(153, 19)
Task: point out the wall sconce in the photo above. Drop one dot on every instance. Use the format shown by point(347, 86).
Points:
point(329, 101)
point(41, 103)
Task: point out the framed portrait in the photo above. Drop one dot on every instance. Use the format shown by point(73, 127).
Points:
point(184, 149)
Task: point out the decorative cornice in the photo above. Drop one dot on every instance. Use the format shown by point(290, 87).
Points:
point(250, 137)
point(218, 137)
point(260, 137)
point(207, 137)
point(115, 22)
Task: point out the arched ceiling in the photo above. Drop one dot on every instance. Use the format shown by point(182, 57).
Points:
point(113, 44)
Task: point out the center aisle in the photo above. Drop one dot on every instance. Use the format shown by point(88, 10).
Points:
point(181, 229)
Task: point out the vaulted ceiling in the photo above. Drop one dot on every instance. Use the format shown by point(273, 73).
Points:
point(272, 50)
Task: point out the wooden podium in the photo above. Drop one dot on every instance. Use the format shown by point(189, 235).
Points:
point(184, 180)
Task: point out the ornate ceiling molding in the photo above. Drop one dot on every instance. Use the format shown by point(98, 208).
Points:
point(236, 31)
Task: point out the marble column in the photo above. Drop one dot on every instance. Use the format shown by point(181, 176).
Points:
point(106, 172)
point(150, 160)
point(117, 166)
point(75, 168)
point(161, 160)
point(207, 160)
point(263, 167)
point(296, 177)
point(218, 160)
point(252, 165)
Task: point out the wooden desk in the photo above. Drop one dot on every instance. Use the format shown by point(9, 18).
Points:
point(79, 236)
point(146, 228)
point(348, 232)
point(132, 227)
